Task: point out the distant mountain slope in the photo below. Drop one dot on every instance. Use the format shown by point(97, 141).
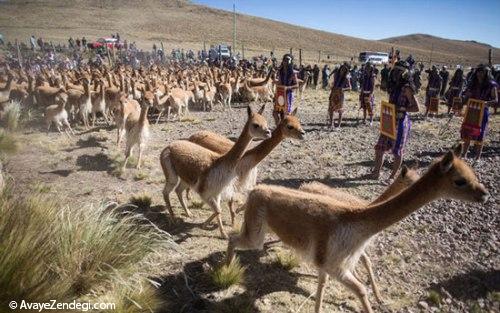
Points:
point(180, 23)
point(450, 46)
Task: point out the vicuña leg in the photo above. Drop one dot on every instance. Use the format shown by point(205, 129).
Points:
point(358, 288)
point(322, 280)
point(368, 265)
point(179, 191)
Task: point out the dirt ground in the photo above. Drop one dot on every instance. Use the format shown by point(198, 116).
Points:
point(445, 257)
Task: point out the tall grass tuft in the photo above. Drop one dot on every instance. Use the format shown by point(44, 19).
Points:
point(228, 275)
point(8, 143)
point(49, 251)
point(11, 116)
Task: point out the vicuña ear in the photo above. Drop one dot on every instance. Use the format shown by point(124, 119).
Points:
point(447, 162)
point(295, 112)
point(457, 149)
point(249, 111)
point(261, 110)
point(404, 171)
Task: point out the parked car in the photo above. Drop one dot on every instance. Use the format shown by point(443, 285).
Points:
point(105, 42)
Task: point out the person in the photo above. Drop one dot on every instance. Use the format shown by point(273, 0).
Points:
point(401, 93)
point(33, 42)
point(384, 77)
point(40, 43)
point(411, 61)
point(366, 92)
point(287, 79)
point(71, 43)
point(444, 77)
point(482, 87)
point(455, 88)
point(325, 74)
point(417, 81)
point(498, 91)
point(315, 75)
point(433, 87)
point(84, 43)
point(340, 84)
point(354, 78)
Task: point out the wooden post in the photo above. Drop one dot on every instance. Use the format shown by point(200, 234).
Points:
point(291, 51)
point(109, 57)
point(204, 46)
point(163, 52)
point(300, 57)
point(489, 56)
point(19, 58)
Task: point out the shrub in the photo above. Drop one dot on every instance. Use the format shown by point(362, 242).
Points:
point(228, 275)
point(142, 201)
point(286, 260)
point(11, 115)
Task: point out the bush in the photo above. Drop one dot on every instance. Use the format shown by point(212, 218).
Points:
point(8, 144)
point(142, 201)
point(67, 253)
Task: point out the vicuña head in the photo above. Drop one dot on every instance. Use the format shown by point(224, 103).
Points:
point(258, 127)
point(291, 126)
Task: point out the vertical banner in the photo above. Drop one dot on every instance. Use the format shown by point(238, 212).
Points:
point(388, 119)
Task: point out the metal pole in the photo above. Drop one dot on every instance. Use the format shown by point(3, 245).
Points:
point(234, 29)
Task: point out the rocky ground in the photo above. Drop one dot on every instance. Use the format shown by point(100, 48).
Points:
point(443, 258)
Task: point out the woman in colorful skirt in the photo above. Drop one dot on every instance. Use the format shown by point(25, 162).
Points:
point(287, 81)
point(366, 97)
point(340, 84)
point(455, 89)
point(482, 87)
point(433, 87)
point(402, 95)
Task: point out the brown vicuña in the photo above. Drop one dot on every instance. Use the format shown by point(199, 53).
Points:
point(405, 178)
point(186, 164)
point(246, 169)
point(332, 235)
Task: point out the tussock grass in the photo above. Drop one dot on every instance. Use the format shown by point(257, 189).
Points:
point(142, 201)
point(8, 144)
point(236, 304)
point(196, 205)
point(140, 176)
point(49, 251)
point(227, 275)
point(190, 119)
point(11, 116)
point(434, 298)
point(286, 260)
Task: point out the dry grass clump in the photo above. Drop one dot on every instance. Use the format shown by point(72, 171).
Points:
point(228, 275)
point(8, 143)
point(49, 251)
point(142, 201)
point(286, 260)
point(11, 115)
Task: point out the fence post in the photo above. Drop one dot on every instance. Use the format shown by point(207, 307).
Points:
point(291, 51)
point(300, 57)
point(489, 56)
point(19, 58)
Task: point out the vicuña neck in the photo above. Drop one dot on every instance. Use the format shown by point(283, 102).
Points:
point(380, 216)
point(253, 157)
point(143, 117)
point(236, 152)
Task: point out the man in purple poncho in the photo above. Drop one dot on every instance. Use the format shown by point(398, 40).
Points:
point(287, 81)
point(455, 89)
point(340, 84)
point(402, 95)
point(366, 96)
point(433, 87)
point(482, 87)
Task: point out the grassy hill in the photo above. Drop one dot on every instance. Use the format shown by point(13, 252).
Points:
point(182, 24)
